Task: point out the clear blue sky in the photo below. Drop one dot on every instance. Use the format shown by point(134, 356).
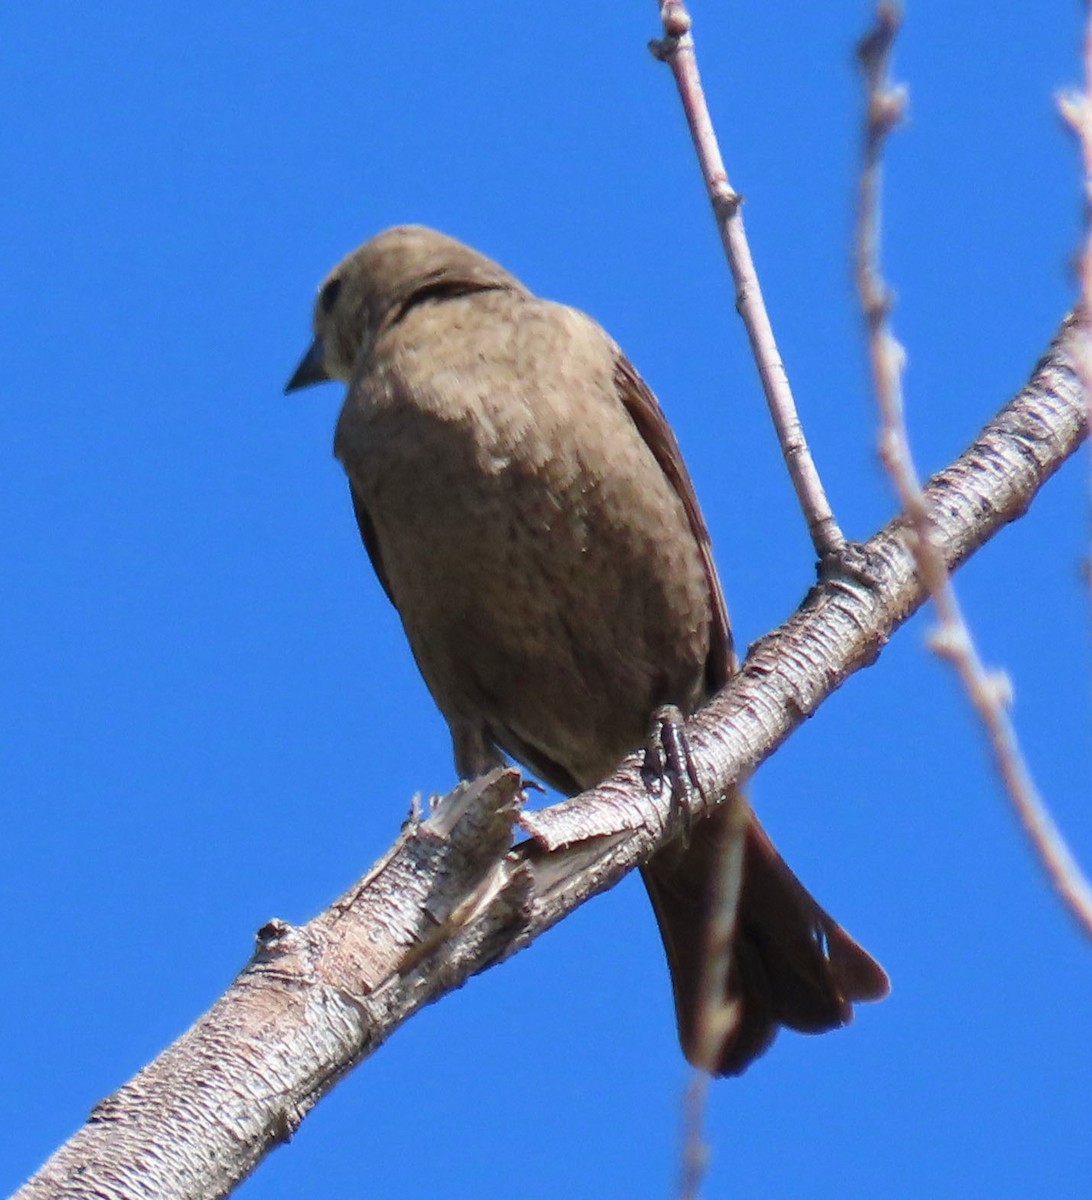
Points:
point(210, 717)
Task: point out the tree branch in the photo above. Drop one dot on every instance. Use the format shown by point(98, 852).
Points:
point(451, 898)
point(676, 48)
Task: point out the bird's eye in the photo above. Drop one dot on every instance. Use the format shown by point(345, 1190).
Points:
point(329, 294)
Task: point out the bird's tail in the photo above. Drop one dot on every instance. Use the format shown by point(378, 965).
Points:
point(790, 963)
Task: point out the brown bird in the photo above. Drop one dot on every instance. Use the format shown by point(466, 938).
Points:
point(528, 512)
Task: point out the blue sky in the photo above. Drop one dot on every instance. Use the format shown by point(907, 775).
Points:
point(209, 714)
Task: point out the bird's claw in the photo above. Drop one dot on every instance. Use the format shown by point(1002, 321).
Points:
point(668, 761)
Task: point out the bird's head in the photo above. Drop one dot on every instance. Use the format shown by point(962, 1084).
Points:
point(371, 289)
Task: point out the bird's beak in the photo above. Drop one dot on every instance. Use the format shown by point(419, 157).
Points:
point(311, 369)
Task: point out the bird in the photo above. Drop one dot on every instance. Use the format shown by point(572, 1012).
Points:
point(527, 510)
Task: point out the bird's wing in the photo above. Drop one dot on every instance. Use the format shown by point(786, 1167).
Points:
point(646, 414)
point(371, 542)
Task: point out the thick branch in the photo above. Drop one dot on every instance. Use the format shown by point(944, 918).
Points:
point(451, 898)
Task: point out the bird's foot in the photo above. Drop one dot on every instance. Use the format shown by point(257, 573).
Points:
point(668, 762)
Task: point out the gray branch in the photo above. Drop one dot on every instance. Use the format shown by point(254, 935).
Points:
point(452, 897)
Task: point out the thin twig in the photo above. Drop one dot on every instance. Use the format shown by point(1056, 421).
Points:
point(1076, 109)
point(677, 49)
point(989, 691)
point(695, 1153)
point(717, 1015)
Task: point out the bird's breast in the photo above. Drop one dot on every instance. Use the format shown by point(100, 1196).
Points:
point(544, 568)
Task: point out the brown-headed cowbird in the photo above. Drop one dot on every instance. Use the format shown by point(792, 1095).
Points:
point(528, 512)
